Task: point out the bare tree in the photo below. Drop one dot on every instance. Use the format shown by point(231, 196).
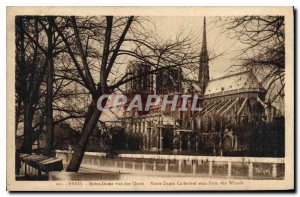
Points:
point(120, 41)
point(30, 71)
point(50, 74)
point(264, 48)
point(37, 46)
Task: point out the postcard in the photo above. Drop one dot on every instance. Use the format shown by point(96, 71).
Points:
point(150, 98)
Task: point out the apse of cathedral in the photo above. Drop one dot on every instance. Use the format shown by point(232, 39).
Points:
point(233, 111)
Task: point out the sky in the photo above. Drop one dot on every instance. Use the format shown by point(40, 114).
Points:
point(218, 42)
point(222, 50)
point(167, 27)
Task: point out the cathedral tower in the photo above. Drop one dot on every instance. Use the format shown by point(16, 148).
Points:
point(203, 63)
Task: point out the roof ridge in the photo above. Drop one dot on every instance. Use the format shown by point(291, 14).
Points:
point(227, 76)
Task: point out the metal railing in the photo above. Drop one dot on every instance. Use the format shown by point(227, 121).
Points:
point(211, 166)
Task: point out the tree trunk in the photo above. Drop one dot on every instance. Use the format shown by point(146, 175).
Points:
point(49, 96)
point(18, 113)
point(49, 109)
point(28, 116)
point(28, 110)
point(81, 147)
point(89, 114)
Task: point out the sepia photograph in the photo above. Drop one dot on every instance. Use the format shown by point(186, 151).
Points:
point(150, 98)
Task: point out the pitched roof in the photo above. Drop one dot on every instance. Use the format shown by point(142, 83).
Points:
point(245, 81)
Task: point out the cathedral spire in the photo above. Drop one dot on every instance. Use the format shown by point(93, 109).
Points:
point(204, 45)
point(203, 63)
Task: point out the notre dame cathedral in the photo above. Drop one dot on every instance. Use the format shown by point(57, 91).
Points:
point(234, 120)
